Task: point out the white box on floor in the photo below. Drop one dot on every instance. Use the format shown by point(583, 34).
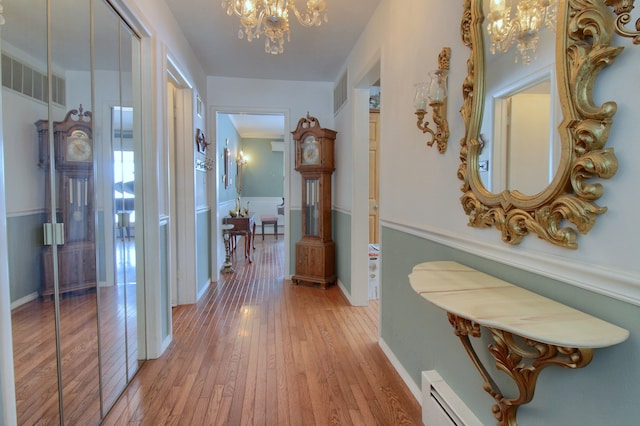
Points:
point(374, 271)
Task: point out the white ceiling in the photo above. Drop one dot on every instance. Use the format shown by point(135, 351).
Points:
point(267, 126)
point(314, 54)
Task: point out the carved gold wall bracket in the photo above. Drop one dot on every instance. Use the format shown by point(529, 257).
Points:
point(622, 8)
point(530, 332)
point(435, 93)
point(521, 359)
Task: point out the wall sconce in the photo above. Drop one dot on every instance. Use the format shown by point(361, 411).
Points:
point(242, 158)
point(434, 94)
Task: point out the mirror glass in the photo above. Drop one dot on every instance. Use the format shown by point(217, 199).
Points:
point(521, 140)
point(74, 322)
point(537, 175)
point(33, 321)
point(521, 116)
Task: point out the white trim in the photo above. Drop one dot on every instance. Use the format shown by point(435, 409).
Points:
point(359, 91)
point(27, 212)
point(205, 287)
point(344, 291)
point(26, 299)
point(214, 111)
point(414, 388)
point(601, 280)
point(185, 187)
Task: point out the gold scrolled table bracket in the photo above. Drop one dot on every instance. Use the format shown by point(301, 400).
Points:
point(530, 332)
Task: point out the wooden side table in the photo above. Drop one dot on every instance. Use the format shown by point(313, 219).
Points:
point(244, 226)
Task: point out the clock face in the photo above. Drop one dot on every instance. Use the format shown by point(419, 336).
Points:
point(310, 150)
point(79, 147)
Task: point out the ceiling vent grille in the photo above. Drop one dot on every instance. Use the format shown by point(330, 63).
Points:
point(24, 79)
point(340, 93)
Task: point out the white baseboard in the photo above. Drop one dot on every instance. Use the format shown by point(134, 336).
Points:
point(406, 378)
point(204, 289)
point(345, 292)
point(26, 299)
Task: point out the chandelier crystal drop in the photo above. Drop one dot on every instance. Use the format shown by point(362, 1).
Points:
point(522, 28)
point(271, 19)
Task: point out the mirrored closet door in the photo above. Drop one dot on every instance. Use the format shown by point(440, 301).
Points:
point(71, 126)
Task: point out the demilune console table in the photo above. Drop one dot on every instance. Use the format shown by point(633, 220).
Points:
point(530, 332)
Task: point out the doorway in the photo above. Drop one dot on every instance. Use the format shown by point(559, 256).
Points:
point(256, 176)
point(360, 215)
point(374, 192)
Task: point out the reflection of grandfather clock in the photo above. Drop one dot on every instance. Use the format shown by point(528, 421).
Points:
point(316, 252)
point(73, 161)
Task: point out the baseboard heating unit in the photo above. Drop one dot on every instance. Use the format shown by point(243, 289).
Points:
point(441, 406)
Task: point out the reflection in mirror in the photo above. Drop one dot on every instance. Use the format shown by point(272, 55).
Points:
point(519, 23)
point(522, 145)
point(74, 348)
point(565, 207)
point(33, 320)
point(514, 155)
point(78, 349)
point(114, 45)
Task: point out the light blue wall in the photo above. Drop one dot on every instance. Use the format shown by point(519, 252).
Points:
point(342, 237)
point(226, 131)
point(263, 176)
point(603, 393)
point(203, 244)
point(295, 227)
point(24, 235)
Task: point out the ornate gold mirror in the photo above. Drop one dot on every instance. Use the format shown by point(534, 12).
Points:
point(567, 205)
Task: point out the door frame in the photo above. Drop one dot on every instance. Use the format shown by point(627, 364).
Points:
point(181, 198)
point(360, 185)
point(218, 250)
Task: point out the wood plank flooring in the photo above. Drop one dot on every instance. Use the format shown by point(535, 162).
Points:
point(257, 350)
point(36, 380)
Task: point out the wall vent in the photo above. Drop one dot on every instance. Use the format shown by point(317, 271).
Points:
point(340, 93)
point(441, 406)
point(28, 81)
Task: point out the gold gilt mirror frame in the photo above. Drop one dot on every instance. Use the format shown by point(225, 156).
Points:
point(567, 205)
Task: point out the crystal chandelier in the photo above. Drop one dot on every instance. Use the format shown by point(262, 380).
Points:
point(530, 17)
point(271, 19)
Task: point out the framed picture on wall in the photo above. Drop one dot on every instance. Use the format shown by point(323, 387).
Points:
point(201, 141)
point(227, 167)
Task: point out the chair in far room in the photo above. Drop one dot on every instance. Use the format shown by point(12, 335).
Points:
point(267, 219)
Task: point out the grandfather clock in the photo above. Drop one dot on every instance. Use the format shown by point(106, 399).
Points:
point(74, 228)
point(315, 252)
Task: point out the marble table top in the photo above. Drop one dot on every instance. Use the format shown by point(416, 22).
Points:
point(491, 302)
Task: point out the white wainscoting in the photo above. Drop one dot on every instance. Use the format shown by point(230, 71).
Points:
point(264, 205)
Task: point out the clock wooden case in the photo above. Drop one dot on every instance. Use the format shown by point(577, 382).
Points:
point(73, 165)
point(315, 252)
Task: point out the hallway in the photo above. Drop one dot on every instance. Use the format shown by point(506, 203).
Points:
point(257, 350)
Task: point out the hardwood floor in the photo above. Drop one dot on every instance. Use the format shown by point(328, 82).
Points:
point(257, 350)
point(34, 343)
